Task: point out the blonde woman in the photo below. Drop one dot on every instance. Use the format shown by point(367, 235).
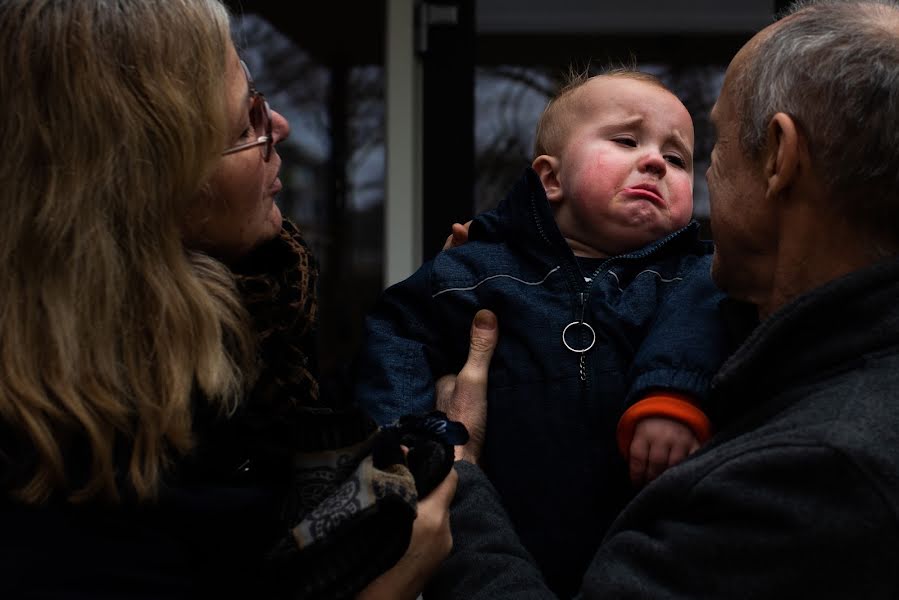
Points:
point(161, 433)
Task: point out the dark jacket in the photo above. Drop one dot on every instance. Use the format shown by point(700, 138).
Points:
point(796, 497)
point(551, 450)
point(295, 494)
point(207, 539)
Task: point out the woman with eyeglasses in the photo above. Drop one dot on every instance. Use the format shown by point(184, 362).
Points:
point(161, 430)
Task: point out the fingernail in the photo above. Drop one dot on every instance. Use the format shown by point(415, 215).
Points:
point(485, 320)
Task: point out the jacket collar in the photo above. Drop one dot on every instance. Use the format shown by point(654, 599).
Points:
point(827, 329)
point(526, 211)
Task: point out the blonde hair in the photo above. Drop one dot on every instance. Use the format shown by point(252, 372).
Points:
point(113, 118)
point(558, 117)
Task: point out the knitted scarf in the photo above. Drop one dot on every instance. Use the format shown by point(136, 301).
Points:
point(352, 499)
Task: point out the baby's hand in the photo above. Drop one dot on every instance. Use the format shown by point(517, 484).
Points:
point(458, 237)
point(658, 443)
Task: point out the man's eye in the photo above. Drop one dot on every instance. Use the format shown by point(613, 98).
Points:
point(676, 160)
point(626, 142)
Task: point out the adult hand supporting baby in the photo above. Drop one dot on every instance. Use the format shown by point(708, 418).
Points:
point(431, 542)
point(463, 397)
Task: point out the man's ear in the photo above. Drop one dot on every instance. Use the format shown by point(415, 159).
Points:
point(547, 167)
point(784, 153)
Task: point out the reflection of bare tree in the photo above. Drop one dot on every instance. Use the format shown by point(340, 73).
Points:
point(288, 71)
point(533, 78)
point(297, 87)
point(366, 118)
point(332, 172)
point(697, 86)
point(303, 90)
point(509, 101)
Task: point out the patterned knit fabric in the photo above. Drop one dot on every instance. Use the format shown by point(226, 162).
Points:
point(350, 508)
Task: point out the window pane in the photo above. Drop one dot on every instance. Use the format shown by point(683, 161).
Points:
point(333, 174)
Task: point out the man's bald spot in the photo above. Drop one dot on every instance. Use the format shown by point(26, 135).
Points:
point(742, 80)
point(742, 85)
point(737, 77)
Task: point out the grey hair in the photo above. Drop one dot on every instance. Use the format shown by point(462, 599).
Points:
point(834, 67)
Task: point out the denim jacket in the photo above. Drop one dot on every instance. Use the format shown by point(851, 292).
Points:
point(649, 318)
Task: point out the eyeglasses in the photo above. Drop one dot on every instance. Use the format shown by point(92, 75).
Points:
point(260, 121)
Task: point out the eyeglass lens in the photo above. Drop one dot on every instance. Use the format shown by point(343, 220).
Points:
point(261, 121)
point(260, 114)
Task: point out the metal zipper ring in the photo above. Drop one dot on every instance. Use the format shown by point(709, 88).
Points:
point(585, 324)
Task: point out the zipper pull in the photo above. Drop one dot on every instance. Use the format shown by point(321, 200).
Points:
point(583, 359)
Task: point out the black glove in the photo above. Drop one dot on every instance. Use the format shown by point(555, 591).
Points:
point(430, 439)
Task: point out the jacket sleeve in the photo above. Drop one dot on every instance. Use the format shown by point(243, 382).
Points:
point(784, 521)
point(488, 561)
point(777, 521)
point(402, 352)
point(687, 340)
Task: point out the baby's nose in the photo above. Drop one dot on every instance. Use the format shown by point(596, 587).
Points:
point(654, 162)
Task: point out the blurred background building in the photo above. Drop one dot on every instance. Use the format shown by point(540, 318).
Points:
point(410, 115)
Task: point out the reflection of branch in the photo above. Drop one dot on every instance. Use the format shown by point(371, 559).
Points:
point(373, 187)
point(510, 100)
point(366, 109)
point(535, 79)
point(303, 86)
point(697, 86)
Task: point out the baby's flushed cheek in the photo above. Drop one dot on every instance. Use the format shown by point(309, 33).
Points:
point(680, 196)
point(593, 182)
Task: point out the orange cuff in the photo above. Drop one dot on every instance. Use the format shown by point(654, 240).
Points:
point(669, 405)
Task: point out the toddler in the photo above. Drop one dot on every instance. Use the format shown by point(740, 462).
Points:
point(609, 320)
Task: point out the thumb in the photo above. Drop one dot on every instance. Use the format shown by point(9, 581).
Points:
point(443, 494)
point(469, 399)
point(484, 336)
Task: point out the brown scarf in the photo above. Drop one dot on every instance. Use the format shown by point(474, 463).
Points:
point(352, 500)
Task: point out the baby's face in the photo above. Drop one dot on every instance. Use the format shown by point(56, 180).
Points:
point(626, 169)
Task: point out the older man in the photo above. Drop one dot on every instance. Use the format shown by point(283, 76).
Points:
point(797, 496)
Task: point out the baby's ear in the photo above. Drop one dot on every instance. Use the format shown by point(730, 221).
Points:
point(547, 168)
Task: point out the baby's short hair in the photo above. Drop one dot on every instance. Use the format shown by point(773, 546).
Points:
point(550, 130)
